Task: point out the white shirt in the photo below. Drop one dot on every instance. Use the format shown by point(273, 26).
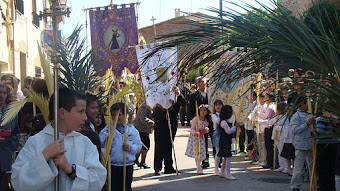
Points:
point(32, 172)
point(20, 95)
point(215, 119)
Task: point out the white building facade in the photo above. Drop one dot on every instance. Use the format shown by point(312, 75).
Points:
point(22, 28)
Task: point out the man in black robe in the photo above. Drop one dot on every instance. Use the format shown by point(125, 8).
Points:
point(163, 145)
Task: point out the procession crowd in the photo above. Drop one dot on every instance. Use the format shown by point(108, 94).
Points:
point(275, 135)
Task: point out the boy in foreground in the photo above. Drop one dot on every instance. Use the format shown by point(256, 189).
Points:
point(76, 156)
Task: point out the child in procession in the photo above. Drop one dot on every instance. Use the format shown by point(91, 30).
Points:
point(227, 129)
point(300, 123)
point(132, 146)
point(216, 135)
point(281, 125)
point(203, 123)
point(74, 154)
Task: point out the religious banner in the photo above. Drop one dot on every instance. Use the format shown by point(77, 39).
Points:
point(113, 32)
point(158, 75)
point(235, 94)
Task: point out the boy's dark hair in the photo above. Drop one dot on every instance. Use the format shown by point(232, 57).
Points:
point(118, 106)
point(281, 107)
point(292, 98)
point(301, 99)
point(67, 100)
point(90, 98)
point(226, 112)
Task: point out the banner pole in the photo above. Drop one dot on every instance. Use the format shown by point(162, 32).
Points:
point(198, 139)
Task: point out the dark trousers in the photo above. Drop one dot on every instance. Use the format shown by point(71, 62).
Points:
point(206, 136)
point(241, 139)
point(163, 147)
point(325, 166)
point(269, 143)
point(2, 177)
point(183, 116)
point(117, 178)
point(250, 134)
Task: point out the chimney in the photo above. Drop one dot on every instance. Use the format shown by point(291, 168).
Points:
point(177, 12)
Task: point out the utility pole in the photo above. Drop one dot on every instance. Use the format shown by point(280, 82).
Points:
point(154, 26)
point(221, 8)
point(57, 8)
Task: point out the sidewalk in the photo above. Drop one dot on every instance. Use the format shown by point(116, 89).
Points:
point(249, 177)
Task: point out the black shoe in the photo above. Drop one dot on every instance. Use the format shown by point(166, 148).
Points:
point(188, 124)
point(296, 189)
point(266, 166)
point(145, 166)
point(205, 165)
point(157, 172)
point(170, 171)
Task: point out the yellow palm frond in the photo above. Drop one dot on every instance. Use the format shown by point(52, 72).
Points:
point(42, 103)
point(47, 72)
point(126, 90)
point(38, 99)
point(107, 149)
point(114, 99)
point(12, 111)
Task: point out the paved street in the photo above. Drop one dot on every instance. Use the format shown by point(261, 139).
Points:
point(249, 177)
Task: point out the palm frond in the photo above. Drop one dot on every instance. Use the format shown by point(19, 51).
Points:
point(47, 71)
point(13, 110)
point(77, 65)
point(269, 38)
point(42, 103)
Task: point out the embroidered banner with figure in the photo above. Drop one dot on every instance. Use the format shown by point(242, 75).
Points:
point(113, 31)
point(158, 76)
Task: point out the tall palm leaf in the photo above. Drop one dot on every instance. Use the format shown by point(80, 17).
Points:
point(268, 36)
point(77, 65)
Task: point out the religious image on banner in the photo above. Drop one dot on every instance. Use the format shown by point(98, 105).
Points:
point(113, 32)
point(158, 75)
point(235, 94)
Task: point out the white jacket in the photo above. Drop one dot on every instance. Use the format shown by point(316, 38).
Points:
point(262, 109)
point(32, 172)
point(116, 155)
point(281, 125)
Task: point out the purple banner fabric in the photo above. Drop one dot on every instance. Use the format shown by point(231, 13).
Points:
point(113, 30)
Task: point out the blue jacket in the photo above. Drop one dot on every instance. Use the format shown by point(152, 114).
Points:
point(117, 152)
point(301, 132)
